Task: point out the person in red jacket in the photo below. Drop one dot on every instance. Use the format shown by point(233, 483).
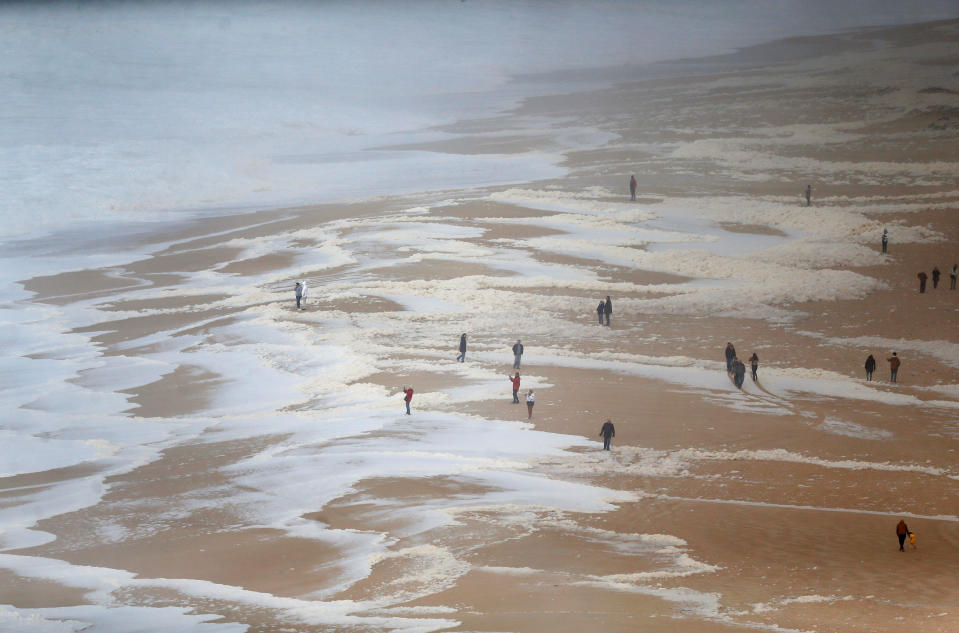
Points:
point(515, 381)
point(409, 397)
point(632, 187)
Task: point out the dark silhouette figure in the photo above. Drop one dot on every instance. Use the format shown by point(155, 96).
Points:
point(870, 367)
point(894, 363)
point(754, 365)
point(808, 195)
point(517, 354)
point(462, 355)
point(632, 187)
point(600, 310)
point(608, 309)
point(952, 276)
point(935, 277)
point(902, 531)
point(885, 239)
point(730, 355)
point(922, 282)
point(739, 373)
point(608, 432)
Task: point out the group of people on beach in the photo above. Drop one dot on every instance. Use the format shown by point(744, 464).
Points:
point(935, 278)
point(737, 369)
point(894, 364)
point(604, 309)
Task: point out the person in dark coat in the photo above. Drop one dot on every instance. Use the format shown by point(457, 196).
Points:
point(952, 276)
point(754, 365)
point(922, 281)
point(885, 239)
point(808, 195)
point(517, 354)
point(739, 373)
point(600, 310)
point(935, 276)
point(902, 531)
point(608, 432)
point(608, 309)
point(462, 355)
point(870, 367)
point(730, 355)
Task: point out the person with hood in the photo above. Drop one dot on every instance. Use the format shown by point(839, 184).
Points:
point(754, 365)
point(530, 401)
point(608, 309)
point(600, 309)
point(608, 432)
point(408, 397)
point(902, 531)
point(462, 355)
point(893, 366)
point(298, 291)
point(870, 367)
point(922, 281)
point(935, 277)
point(632, 187)
point(739, 373)
point(515, 381)
point(730, 355)
point(517, 354)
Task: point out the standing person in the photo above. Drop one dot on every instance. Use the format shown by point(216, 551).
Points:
point(952, 276)
point(530, 401)
point(902, 531)
point(808, 195)
point(608, 432)
point(462, 355)
point(935, 277)
point(754, 365)
point(517, 354)
point(885, 239)
point(893, 367)
point(730, 355)
point(515, 381)
point(632, 187)
point(298, 293)
point(608, 309)
point(408, 398)
point(922, 281)
point(600, 309)
point(870, 367)
point(739, 373)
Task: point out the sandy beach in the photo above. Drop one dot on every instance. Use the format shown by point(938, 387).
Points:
point(274, 483)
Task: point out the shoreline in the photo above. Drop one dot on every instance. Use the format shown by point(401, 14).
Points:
point(681, 527)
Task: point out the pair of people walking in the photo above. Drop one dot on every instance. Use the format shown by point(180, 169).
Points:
point(604, 309)
point(894, 364)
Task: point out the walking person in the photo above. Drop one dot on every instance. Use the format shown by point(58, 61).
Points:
point(515, 381)
point(754, 365)
point(739, 373)
point(870, 367)
point(952, 276)
point(902, 531)
point(298, 293)
point(922, 282)
point(462, 355)
point(517, 354)
point(632, 187)
point(608, 309)
point(885, 239)
point(935, 277)
point(808, 195)
point(608, 432)
point(894, 363)
point(408, 398)
point(600, 310)
point(530, 401)
point(730, 355)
